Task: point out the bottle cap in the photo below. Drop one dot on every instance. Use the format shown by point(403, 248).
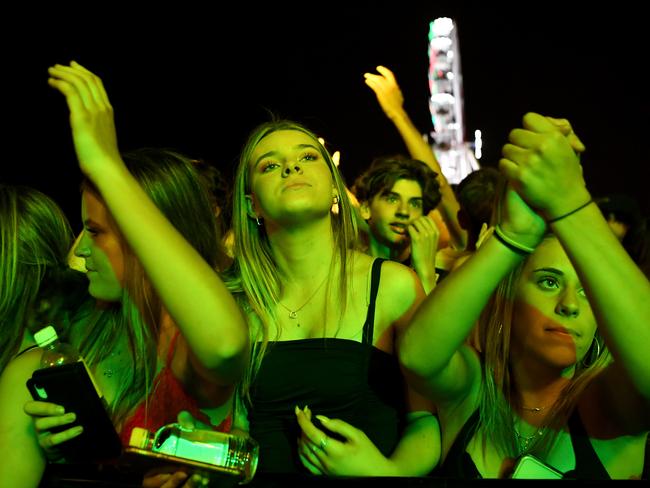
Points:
point(139, 438)
point(45, 336)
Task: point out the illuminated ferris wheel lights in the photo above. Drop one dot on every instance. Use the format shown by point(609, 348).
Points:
point(478, 144)
point(442, 26)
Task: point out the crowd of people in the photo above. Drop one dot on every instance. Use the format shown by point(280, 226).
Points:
point(330, 323)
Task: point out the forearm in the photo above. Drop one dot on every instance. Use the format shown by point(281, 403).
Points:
point(618, 292)
point(445, 318)
point(418, 451)
point(190, 289)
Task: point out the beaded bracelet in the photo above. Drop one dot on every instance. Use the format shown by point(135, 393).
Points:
point(550, 221)
point(510, 243)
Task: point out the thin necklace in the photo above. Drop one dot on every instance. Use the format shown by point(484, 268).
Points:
point(293, 314)
point(533, 409)
point(524, 441)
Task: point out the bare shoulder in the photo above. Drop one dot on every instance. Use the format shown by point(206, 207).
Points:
point(19, 370)
point(400, 293)
point(399, 280)
point(396, 278)
point(14, 392)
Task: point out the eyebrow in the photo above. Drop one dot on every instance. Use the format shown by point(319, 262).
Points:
point(549, 270)
point(273, 153)
point(394, 193)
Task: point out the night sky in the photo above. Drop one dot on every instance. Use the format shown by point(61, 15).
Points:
point(198, 81)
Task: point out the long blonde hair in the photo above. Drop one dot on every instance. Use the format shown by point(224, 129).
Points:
point(497, 393)
point(254, 276)
point(35, 237)
point(172, 182)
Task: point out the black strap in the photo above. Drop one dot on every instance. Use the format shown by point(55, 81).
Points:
point(458, 463)
point(369, 325)
point(588, 464)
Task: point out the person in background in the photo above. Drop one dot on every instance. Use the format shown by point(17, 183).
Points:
point(630, 226)
point(389, 95)
point(395, 196)
point(477, 195)
point(35, 237)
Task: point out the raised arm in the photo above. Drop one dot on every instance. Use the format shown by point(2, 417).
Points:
point(542, 164)
point(433, 348)
point(390, 97)
point(191, 290)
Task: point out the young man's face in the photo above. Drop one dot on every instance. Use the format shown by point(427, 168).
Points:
point(389, 213)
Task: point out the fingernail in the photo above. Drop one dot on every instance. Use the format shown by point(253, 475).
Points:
point(71, 417)
point(77, 430)
point(59, 410)
point(297, 410)
point(322, 418)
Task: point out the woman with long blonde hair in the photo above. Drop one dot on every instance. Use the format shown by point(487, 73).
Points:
point(324, 321)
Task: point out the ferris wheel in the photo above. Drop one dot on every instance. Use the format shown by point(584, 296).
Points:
point(454, 154)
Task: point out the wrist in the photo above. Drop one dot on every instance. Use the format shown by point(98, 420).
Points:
point(515, 245)
point(560, 211)
point(552, 219)
point(396, 115)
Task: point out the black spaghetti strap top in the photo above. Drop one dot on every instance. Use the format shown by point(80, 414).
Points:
point(459, 464)
point(339, 378)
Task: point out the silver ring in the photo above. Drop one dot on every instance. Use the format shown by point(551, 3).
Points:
point(323, 443)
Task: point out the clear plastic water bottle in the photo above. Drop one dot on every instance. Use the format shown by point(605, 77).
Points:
point(55, 352)
point(237, 455)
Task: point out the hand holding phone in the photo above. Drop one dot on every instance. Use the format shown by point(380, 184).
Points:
point(71, 387)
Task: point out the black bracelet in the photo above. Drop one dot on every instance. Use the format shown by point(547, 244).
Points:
point(511, 244)
point(550, 221)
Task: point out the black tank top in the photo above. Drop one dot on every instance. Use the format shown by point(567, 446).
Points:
point(339, 378)
point(459, 464)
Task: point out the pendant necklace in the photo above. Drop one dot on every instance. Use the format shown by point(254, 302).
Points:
point(523, 442)
point(293, 314)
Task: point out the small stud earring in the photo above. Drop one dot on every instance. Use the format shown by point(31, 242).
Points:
point(258, 221)
point(336, 199)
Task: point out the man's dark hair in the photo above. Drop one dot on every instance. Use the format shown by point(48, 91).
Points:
point(385, 171)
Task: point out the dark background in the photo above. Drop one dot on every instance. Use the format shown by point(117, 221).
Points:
point(199, 78)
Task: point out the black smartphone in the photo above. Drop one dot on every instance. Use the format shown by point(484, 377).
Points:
point(71, 386)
